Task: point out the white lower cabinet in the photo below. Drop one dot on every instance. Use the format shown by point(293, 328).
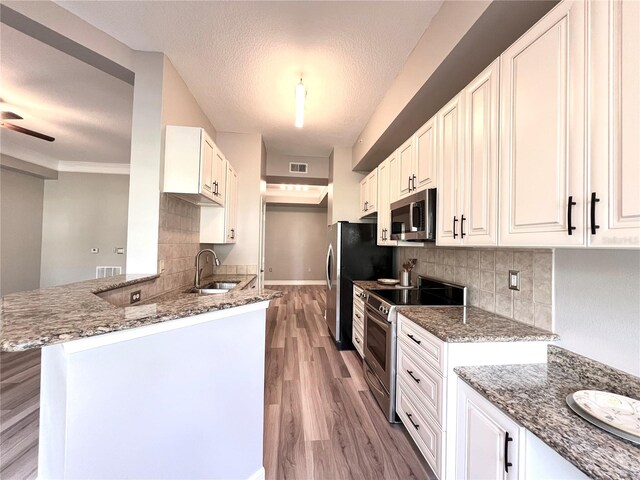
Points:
point(489, 442)
point(427, 391)
point(491, 445)
point(357, 329)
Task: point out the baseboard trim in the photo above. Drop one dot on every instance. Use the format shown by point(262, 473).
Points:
point(295, 282)
point(259, 475)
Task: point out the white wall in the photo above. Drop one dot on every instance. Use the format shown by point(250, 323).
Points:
point(82, 211)
point(296, 242)
point(344, 188)
point(244, 152)
point(20, 231)
point(597, 305)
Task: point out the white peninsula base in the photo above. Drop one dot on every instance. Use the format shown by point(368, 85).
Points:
point(178, 399)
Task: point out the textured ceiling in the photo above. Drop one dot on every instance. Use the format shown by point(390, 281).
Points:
point(242, 60)
point(87, 111)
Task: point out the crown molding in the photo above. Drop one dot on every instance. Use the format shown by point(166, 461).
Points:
point(94, 167)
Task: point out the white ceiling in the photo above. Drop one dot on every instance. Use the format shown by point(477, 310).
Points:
point(242, 60)
point(86, 110)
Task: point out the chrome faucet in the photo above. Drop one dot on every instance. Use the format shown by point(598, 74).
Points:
point(198, 269)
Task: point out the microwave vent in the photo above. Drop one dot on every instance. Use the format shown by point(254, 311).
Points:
point(298, 167)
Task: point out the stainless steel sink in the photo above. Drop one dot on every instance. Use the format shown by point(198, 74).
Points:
point(223, 285)
point(208, 291)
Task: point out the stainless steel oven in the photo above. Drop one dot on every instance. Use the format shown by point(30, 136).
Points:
point(379, 354)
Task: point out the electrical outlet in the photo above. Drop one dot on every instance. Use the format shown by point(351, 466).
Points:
point(95, 250)
point(161, 265)
point(118, 251)
point(514, 280)
point(136, 296)
point(270, 269)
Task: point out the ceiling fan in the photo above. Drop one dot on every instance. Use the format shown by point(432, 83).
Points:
point(10, 126)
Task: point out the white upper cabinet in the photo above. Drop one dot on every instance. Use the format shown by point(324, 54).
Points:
point(479, 218)
point(613, 191)
point(542, 142)
point(384, 202)
point(219, 225)
point(405, 169)
point(450, 127)
point(424, 146)
point(194, 167)
point(369, 194)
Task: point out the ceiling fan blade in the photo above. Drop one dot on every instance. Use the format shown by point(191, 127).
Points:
point(26, 131)
point(10, 116)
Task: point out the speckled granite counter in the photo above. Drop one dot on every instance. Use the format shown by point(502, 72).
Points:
point(472, 324)
point(534, 396)
point(59, 314)
point(374, 285)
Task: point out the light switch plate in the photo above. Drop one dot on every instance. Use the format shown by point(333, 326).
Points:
point(514, 280)
point(95, 250)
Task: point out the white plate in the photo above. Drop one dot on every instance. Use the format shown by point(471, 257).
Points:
point(622, 413)
point(388, 281)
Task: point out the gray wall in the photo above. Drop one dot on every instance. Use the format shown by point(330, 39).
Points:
point(597, 299)
point(20, 231)
point(81, 211)
point(295, 243)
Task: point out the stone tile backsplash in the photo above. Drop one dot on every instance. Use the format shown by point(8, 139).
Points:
point(485, 272)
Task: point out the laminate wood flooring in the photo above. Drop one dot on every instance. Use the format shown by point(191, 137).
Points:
point(321, 422)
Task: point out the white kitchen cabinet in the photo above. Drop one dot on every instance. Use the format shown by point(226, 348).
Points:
point(468, 164)
point(490, 444)
point(405, 169)
point(369, 194)
point(613, 196)
point(427, 388)
point(416, 167)
point(450, 149)
point(192, 166)
point(219, 177)
point(357, 331)
point(219, 225)
point(384, 202)
point(542, 145)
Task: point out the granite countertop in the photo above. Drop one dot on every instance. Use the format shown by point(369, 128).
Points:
point(534, 395)
point(472, 324)
point(374, 285)
point(59, 314)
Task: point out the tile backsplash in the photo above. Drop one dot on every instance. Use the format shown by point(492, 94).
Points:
point(485, 272)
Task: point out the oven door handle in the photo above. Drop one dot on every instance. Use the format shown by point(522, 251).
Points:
point(412, 227)
point(373, 315)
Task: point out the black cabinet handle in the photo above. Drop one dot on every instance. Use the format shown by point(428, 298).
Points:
point(415, 425)
point(414, 339)
point(357, 340)
point(455, 220)
point(409, 183)
point(410, 372)
point(358, 315)
point(507, 463)
point(462, 219)
point(570, 205)
point(594, 200)
point(233, 233)
point(413, 181)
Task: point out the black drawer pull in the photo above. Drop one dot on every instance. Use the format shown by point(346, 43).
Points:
point(413, 338)
point(410, 372)
point(570, 204)
point(507, 463)
point(455, 220)
point(357, 340)
point(462, 219)
point(357, 315)
point(415, 425)
point(594, 200)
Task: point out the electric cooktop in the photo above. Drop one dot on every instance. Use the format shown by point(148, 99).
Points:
point(444, 296)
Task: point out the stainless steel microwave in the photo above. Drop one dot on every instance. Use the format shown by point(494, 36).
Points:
point(414, 218)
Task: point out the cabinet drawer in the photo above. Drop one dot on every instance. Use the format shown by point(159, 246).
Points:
point(358, 314)
point(358, 341)
point(428, 437)
point(425, 345)
point(426, 384)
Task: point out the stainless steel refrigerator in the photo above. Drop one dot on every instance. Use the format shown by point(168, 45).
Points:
point(352, 254)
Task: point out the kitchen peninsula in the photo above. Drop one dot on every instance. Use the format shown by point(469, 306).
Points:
point(169, 388)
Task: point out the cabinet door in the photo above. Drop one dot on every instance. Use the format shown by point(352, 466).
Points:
point(406, 170)
point(364, 192)
point(207, 153)
point(394, 175)
point(384, 208)
point(424, 144)
point(542, 98)
point(488, 441)
point(372, 189)
point(219, 177)
point(614, 170)
point(479, 218)
point(450, 164)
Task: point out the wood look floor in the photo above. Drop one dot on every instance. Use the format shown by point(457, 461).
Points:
point(321, 422)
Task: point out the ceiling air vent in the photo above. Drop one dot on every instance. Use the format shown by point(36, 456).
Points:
point(298, 167)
